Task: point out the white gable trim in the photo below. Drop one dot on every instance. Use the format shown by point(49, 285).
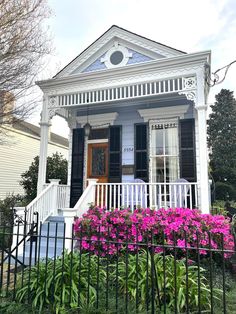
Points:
point(113, 34)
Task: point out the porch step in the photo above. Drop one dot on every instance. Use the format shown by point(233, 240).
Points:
point(50, 241)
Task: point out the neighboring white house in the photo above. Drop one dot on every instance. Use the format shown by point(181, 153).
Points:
point(146, 105)
point(20, 147)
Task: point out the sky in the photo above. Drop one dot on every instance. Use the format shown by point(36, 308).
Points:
point(187, 25)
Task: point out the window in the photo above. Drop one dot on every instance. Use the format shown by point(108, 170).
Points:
point(116, 57)
point(164, 151)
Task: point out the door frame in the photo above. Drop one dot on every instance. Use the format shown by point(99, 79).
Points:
point(90, 145)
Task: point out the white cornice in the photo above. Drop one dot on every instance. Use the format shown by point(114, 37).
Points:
point(177, 64)
point(163, 112)
point(98, 119)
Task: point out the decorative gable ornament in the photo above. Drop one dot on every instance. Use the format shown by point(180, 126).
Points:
point(118, 55)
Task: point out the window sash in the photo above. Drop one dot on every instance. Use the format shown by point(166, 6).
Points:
point(164, 148)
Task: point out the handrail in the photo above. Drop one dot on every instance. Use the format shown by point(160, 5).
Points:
point(86, 199)
point(52, 198)
point(45, 204)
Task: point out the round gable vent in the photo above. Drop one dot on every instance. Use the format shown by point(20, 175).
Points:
point(116, 56)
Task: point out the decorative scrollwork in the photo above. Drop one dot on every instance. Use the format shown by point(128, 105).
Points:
point(190, 95)
point(51, 113)
point(189, 83)
point(52, 107)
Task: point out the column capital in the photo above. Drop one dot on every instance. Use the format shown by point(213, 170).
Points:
point(201, 107)
point(44, 123)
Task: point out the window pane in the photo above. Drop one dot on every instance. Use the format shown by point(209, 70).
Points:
point(158, 169)
point(98, 161)
point(171, 169)
point(171, 141)
point(157, 143)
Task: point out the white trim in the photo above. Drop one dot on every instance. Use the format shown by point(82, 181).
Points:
point(98, 141)
point(160, 68)
point(163, 113)
point(162, 120)
point(98, 120)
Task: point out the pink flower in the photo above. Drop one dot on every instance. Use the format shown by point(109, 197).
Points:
point(106, 232)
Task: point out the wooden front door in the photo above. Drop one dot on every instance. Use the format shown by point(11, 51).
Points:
point(98, 162)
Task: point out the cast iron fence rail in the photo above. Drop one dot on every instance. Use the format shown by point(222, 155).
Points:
point(14, 235)
point(138, 277)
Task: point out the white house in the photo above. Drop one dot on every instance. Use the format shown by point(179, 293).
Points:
point(137, 116)
point(21, 145)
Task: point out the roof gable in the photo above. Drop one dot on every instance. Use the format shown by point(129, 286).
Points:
point(134, 48)
point(34, 130)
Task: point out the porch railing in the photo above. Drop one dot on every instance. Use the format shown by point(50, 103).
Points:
point(52, 198)
point(154, 195)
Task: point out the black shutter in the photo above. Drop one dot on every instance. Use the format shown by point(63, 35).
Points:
point(77, 166)
point(141, 151)
point(114, 167)
point(187, 150)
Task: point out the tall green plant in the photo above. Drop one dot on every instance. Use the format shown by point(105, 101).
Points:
point(146, 271)
point(61, 284)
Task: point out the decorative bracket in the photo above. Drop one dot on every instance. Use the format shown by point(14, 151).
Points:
point(189, 88)
point(52, 107)
point(71, 121)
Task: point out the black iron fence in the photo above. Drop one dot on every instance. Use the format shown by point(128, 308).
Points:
point(54, 273)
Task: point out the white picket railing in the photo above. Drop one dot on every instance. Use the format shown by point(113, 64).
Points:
point(63, 193)
point(47, 203)
point(153, 195)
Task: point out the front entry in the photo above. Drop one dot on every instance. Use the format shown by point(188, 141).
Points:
point(97, 167)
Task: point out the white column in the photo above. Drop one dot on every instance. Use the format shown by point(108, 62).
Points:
point(72, 125)
point(201, 108)
point(44, 129)
point(69, 156)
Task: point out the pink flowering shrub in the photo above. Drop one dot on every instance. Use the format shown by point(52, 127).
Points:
point(110, 232)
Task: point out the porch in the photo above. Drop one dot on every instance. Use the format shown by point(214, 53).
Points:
point(54, 199)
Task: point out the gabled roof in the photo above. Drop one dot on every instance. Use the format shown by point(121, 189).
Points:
point(139, 44)
point(35, 131)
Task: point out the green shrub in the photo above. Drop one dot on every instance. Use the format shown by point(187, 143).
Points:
point(7, 219)
point(218, 208)
point(138, 272)
point(56, 169)
point(62, 285)
point(57, 285)
point(225, 191)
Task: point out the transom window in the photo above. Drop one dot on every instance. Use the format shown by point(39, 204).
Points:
point(164, 151)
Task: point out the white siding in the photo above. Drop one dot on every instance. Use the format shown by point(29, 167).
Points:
point(16, 157)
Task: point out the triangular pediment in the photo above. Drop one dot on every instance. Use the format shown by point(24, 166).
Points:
point(116, 48)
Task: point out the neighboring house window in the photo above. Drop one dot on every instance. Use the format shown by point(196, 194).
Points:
point(164, 151)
